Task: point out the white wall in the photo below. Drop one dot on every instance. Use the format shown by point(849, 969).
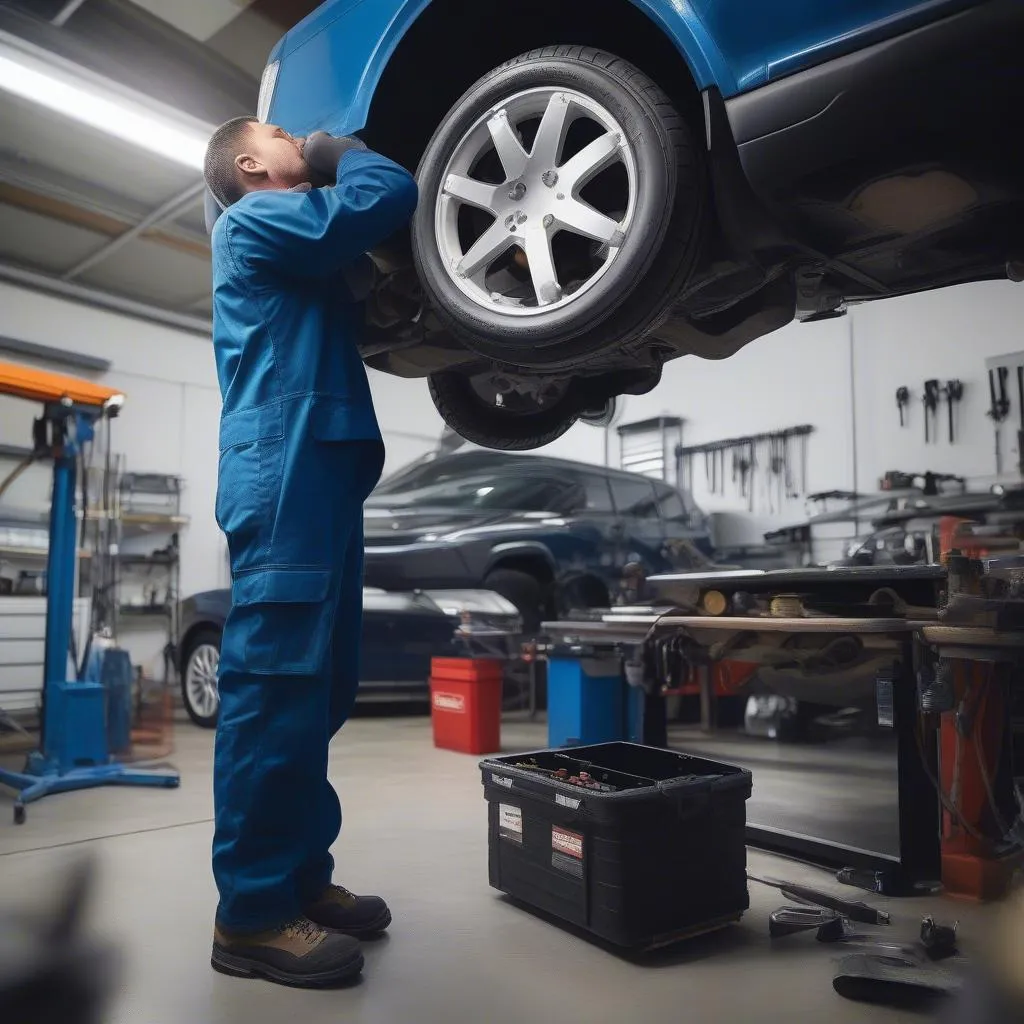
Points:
point(169, 422)
point(802, 374)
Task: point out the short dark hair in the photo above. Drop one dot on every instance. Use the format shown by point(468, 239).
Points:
point(223, 149)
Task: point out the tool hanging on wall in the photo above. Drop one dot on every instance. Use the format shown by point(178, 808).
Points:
point(1020, 411)
point(902, 401)
point(930, 398)
point(999, 409)
point(770, 451)
point(954, 392)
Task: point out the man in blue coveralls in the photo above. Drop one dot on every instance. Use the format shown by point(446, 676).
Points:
point(300, 450)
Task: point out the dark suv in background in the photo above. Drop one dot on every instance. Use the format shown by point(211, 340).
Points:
point(549, 535)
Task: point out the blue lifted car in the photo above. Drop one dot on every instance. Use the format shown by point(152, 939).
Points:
point(607, 186)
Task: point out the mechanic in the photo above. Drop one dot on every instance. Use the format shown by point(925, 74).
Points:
point(300, 450)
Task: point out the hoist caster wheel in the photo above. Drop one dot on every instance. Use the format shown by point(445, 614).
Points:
point(19, 814)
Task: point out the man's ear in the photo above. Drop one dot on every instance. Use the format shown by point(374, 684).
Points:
point(249, 166)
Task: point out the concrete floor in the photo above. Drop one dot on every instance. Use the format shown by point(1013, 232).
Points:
point(415, 831)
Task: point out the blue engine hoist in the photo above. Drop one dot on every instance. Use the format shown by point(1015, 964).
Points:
point(74, 752)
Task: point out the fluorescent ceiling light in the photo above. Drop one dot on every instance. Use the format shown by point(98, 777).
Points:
point(77, 93)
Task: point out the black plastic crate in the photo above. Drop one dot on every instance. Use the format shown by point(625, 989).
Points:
point(656, 854)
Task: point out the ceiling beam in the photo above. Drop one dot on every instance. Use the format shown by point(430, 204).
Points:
point(98, 299)
point(174, 206)
point(62, 16)
point(70, 213)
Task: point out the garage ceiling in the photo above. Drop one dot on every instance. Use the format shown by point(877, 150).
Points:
point(86, 214)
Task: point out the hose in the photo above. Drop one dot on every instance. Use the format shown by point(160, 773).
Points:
point(15, 473)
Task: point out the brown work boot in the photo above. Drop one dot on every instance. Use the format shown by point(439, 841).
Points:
point(359, 916)
point(298, 953)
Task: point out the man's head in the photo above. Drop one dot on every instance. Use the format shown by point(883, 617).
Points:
point(246, 156)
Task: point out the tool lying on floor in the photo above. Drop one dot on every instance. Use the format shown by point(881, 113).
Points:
point(935, 942)
point(893, 980)
point(852, 909)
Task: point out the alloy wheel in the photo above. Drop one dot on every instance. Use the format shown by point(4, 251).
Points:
point(201, 680)
point(536, 202)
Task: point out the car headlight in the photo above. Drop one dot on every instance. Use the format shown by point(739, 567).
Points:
point(267, 86)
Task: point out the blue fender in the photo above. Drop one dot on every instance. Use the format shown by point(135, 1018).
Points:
point(302, 102)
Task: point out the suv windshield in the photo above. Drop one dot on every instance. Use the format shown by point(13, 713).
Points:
point(443, 484)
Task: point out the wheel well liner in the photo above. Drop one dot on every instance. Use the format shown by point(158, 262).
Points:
point(452, 43)
point(532, 559)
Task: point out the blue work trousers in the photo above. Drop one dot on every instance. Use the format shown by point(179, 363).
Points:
point(288, 679)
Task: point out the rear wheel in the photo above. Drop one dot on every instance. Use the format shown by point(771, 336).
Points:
point(507, 420)
point(201, 659)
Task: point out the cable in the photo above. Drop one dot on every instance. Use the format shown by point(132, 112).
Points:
point(950, 808)
point(16, 472)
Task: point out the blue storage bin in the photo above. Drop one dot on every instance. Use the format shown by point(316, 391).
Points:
point(587, 701)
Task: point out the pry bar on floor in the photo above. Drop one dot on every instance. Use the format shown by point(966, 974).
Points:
point(853, 909)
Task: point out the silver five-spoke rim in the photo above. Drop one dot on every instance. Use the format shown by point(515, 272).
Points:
point(539, 198)
point(201, 680)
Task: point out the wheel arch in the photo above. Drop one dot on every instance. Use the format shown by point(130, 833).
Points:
point(655, 35)
point(530, 557)
point(194, 629)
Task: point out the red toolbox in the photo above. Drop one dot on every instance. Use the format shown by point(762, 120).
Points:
point(465, 704)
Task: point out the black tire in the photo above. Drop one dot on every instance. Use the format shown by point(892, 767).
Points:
point(661, 247)
point(479, 423)
point(203, 637)
point(524, 591)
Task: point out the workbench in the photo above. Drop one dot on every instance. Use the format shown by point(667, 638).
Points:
point(891, 639)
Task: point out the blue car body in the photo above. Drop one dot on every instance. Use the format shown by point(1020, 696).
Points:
point(332, 62)
point(842, 151)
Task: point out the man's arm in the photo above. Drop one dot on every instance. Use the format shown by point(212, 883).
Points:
point(317, 233)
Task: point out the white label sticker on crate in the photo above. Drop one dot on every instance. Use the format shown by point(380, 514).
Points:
point(569, 843)
point(572, 802)
point(450, 702)
point(501, 780)
point(510, 822)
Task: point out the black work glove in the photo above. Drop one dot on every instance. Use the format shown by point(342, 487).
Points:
point(322, 152)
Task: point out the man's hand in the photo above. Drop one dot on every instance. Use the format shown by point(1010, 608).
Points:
point(322, 152)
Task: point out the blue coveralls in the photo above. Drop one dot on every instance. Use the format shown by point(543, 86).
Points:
point(300, 450)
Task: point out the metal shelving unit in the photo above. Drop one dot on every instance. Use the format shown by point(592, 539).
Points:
point(149, 580)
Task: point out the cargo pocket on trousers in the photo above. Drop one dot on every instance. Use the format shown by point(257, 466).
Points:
point(286, 620)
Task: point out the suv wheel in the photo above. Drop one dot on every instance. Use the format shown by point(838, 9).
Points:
point(509, 421)
point(563, 203)
point(524, 591)
point(201, 659)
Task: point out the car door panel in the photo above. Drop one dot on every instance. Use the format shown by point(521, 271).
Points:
point(640, 534)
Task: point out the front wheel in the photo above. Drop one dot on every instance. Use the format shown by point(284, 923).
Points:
point(562, 208)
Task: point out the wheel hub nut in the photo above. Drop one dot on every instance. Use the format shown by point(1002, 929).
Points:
point(550, 178)
point(517, 191)
point(548, 220)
